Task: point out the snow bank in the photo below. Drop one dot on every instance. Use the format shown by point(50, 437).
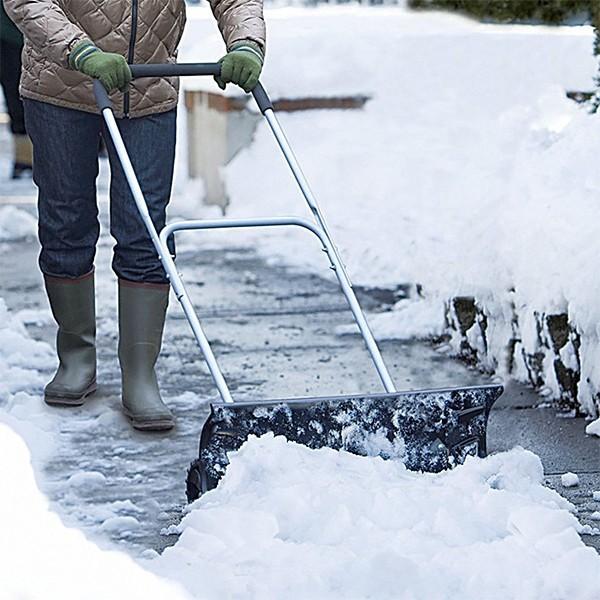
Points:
point(468, 172)
point(289, 522)
point(40, 558)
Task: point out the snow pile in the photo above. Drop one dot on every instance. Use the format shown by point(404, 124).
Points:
point(468, 171)
point(16, 224)
point(289, 522)
point(40, 558)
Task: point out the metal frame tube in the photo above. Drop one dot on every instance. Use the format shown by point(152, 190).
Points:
point(165, 257)
point(336, 259)
point(336, 265)
point(349, 294)
point(320, 230)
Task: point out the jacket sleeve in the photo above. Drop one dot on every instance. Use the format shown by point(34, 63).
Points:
point(240, 20)
point(46, 27)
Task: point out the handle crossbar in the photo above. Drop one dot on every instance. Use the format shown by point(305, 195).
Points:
point(176, 70)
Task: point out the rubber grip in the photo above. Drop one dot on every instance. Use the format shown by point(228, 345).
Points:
point(197, 69)
point(175, 70)
point(262, 98)
point(102, 99)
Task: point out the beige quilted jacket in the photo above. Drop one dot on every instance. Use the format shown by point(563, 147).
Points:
point(144, 31)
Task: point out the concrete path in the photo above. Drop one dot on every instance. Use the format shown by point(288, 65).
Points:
point(274, 332)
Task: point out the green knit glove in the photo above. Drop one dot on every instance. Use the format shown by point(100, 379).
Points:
point(241, 65)
point(111, 69)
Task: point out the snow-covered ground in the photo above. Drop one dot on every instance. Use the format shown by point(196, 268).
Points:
point(468, 172)
point(41, 558)
point(285, 521)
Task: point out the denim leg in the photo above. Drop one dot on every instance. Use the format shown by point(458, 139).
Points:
point(150, 142)
point(65, 157)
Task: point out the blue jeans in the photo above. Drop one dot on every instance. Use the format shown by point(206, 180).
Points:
point(65, 157)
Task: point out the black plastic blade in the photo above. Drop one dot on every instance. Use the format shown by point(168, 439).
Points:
point(428, 430)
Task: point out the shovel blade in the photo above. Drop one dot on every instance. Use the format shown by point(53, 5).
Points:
point(428, 430)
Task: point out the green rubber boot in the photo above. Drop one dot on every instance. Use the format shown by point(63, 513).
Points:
point(142, 310)
point(73, 305)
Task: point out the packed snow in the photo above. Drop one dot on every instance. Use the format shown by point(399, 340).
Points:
point(469, 171)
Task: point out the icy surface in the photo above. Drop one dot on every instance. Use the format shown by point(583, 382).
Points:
point(290, 522)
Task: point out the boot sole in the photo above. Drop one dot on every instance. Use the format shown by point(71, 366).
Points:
point(51, 400)
point(153, 425)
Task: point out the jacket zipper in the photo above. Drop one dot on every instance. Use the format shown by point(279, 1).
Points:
point(130, 53)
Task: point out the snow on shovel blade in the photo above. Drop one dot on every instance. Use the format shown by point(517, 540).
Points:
point(428, 430)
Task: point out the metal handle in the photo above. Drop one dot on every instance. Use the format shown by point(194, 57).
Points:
point(197, 70)
point(175, 70)
point(160, 243)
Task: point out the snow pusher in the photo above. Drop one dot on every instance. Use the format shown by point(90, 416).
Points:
point(429, 430)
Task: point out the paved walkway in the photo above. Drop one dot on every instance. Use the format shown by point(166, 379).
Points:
point(273, 330)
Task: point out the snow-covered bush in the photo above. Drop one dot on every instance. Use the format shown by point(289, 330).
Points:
point(509, 11)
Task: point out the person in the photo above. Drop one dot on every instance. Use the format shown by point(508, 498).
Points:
point(66, 45)
point(11, 44)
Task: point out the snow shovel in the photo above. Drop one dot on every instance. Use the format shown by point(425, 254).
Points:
point(429, 430)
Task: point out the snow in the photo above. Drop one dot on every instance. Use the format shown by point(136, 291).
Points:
point(86, 480)
point(596, 496)
point(65, 564)
point(409, 319)
point(463, 156)
point(120, 524)
point(21, 359)
point(569, 480)
point(468, 172)
point(593, 428)
point(289, 522)
point(16, 224)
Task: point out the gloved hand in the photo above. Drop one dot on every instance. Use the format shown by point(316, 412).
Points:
point(241, 65)
point(111, 69)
